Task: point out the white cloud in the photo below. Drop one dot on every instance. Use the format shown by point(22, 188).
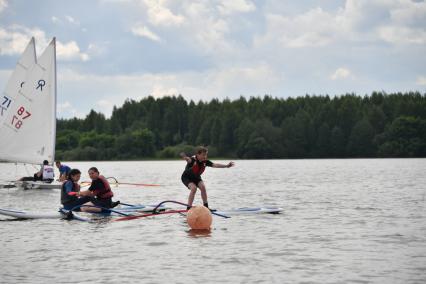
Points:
point(205, 30)
point(367, 21)
point(70, 51)
point(62, 107)
point(227, 7)
point(55, 20)
point(160, 15)
point(105, 106)
point(68, 110)
point(314, 28)
point(402, 35)
point(3, 5)
point(341, 73)
point(159, 91)
point(106, 91)
point(144, 31)
point(247, 80)
point(409, 13)
point(421, 80)
point(71, 20)
point(97, 49)
point(14, 39)
point(67, 20)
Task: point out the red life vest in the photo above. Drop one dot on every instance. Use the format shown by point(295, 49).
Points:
point(103, 193)
point(198, 167)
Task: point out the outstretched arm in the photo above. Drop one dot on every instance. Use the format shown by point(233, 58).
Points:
point(216, 165)
point(85, 193)
point(185, 157)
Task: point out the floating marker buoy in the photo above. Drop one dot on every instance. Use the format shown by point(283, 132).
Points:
point(199, 218)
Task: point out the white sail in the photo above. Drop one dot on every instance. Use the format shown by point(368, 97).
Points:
point(29, 128)
point(17, 79)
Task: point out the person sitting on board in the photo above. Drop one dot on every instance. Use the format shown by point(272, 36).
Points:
point(46, 174)
point(69, 192)
point(63, 170)
point(191, 176)
point(100, 193)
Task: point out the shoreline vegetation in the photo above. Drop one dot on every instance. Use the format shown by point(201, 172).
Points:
point(379, 125)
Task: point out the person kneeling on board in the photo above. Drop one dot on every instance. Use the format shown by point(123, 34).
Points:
point(69, 192)
point(99, 192)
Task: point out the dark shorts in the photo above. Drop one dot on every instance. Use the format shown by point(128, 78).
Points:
point(187, 179)
point(105, 203)
point(78, 202)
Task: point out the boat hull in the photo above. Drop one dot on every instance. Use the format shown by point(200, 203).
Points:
point(37, 185)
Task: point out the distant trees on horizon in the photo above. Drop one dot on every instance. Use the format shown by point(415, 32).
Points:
point(347, 126)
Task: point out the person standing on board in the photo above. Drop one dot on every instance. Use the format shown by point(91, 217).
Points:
point(191, 177)
point(69, 191)
point(100, 193)
point(63, 171)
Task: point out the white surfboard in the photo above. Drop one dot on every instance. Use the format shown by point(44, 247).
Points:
point(61, 213)
point(249, 211)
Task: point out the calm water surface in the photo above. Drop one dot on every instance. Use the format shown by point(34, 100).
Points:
point(344, 221)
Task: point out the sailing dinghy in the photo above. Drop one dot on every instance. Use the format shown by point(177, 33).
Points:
point(28, 112)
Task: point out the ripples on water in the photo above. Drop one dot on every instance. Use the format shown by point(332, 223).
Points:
point(344, 221)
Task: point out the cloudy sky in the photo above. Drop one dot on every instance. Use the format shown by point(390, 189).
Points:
point(110, 50)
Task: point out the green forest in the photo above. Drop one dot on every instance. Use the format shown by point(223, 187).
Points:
point(346, 126)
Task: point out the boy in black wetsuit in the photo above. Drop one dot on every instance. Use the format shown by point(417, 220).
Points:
point(191, 177)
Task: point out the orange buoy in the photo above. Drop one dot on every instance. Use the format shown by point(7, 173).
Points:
point(199, 218)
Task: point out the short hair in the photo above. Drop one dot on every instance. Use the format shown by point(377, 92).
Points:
point(94, 169)
point(57, 161)
point(201, 149)
point(45, 162)
point(73, 172)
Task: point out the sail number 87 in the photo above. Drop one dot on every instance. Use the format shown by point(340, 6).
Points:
point(17, 120)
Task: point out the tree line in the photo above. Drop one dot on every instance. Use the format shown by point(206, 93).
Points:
point(346, 126)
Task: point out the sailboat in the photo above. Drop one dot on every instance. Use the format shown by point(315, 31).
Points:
point(28, 112)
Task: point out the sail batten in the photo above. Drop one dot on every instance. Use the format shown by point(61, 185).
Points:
point(28, 127)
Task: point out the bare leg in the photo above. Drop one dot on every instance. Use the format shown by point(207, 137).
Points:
point(203, 190)
point(193, 188)
point(89, 209)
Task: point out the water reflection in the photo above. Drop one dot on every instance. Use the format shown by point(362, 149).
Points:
point(199, 233)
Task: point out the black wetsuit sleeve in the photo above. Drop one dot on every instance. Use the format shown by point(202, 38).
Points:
point(209, 163)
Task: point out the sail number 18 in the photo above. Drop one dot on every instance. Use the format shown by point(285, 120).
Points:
point(17, 120)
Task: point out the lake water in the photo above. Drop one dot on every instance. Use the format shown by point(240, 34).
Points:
point(344, 221)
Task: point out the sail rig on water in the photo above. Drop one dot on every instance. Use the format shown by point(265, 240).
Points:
point(28, 110)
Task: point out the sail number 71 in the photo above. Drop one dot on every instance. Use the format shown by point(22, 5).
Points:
point(17, 120)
